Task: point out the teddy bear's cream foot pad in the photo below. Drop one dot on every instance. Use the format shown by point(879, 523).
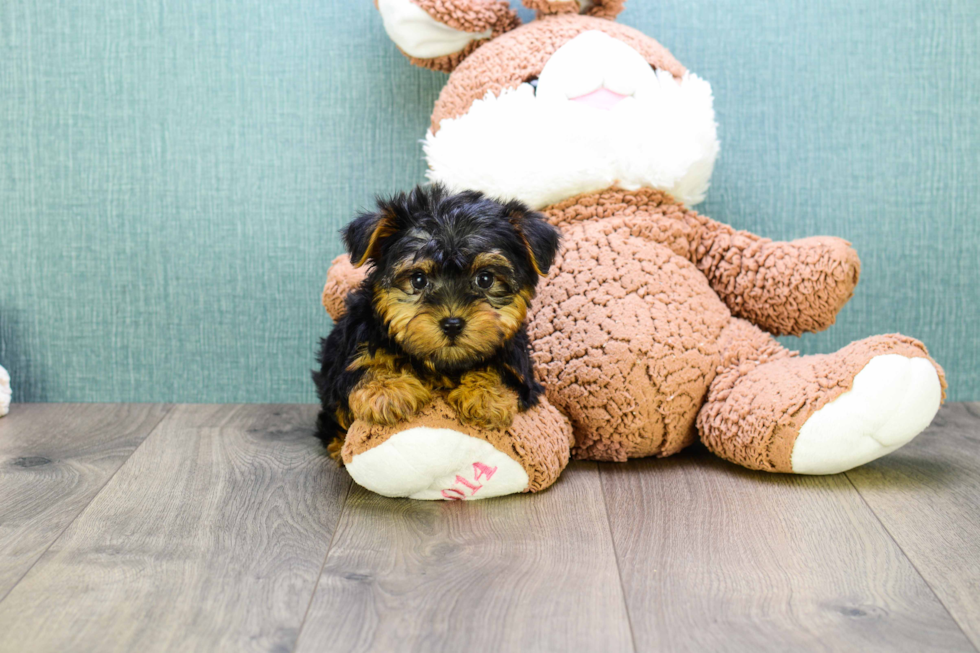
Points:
point(429, 463)
point(893, 399)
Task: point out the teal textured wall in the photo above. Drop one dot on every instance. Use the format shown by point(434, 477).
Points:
point(173, 174)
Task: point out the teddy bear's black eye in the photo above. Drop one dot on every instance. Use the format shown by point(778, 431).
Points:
point(484, 279)
point(419, 280)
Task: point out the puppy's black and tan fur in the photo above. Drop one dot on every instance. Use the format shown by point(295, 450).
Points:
point(442, 309)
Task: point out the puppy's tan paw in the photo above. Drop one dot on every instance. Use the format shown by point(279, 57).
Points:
point(388, 398)
point(483, 400)
point(334, 449)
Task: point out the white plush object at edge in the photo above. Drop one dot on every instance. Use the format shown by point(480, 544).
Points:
point(421, 462)
point(420, 35)
point(893, 399)
point(543, 148)
point(4, 392)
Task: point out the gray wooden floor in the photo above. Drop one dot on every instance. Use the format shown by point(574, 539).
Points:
point(223, 528)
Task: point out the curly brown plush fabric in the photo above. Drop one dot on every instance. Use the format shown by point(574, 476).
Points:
point(539, 440)
point(785, 288)
point(764, 393)
point(342, 277)
point(608, 9)
point(472, 16)
point(520, 55)
point(550, 7)
point(625, 337)
point(446, 63)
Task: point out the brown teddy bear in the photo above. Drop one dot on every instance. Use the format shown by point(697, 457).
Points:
point(656, 323)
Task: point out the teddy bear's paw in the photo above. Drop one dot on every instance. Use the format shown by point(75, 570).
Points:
point(437, 463)
point(893, 399)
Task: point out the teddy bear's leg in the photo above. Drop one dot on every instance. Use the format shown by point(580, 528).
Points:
point(770, 409)
point(435, 456)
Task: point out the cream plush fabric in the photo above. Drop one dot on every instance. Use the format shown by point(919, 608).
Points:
point(5, 392)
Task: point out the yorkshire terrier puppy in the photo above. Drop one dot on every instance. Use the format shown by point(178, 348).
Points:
point(442, 309)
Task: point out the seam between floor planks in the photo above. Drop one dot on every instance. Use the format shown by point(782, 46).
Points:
point(619, 566)
point(783, 492)
point(911, 562)
point(167, 408)
point(333, 538)
point(295, 436)
point(433, 576)
point(926, 497)
point(604, 474)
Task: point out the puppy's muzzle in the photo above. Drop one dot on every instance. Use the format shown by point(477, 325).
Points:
point(452, 326)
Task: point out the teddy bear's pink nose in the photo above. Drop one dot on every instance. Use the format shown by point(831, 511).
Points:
point(601, 98)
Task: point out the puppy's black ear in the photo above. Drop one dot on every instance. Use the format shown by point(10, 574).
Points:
point(363, 236)
point(540, 238)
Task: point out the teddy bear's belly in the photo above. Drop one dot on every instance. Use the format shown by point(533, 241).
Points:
point(625, 337)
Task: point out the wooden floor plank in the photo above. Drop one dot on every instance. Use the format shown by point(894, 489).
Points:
point(927, 495)
point(715, 557)
point(210, 538)
point(54, 458)
point(519, 573)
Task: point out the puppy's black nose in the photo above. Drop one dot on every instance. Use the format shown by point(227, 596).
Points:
point(452, 326)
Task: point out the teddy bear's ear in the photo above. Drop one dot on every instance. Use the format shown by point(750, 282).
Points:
point(540, 238)
point(598, 8)
point(438, 34)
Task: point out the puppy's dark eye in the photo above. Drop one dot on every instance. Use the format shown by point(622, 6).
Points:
point(419, 280)
point(484, 279)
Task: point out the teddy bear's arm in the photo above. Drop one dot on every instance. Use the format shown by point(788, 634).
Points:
point(786, 288)
point(341, 279)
